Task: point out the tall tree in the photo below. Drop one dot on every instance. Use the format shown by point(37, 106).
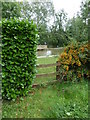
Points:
point(41, 13)
point(58, 36)
point(84, 10)
point(11, 9)
point(77, 27)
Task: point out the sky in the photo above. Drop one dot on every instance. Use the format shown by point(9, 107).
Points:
point(71, 7)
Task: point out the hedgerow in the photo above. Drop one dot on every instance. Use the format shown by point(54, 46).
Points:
point(19, 43)
point(74, 62)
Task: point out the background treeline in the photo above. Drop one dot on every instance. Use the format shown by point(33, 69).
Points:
point(55, 29)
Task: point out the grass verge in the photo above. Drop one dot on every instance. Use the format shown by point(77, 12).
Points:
point(55, 101)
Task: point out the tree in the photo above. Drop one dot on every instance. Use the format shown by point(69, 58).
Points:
point(43, 34)
point(41, 14)
point(77, 27)
point(11, 9)
point(58, 36)
point(38, 11)
point(84, 10)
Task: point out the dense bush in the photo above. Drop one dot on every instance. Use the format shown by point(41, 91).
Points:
point(19, 42)
point(74, 62)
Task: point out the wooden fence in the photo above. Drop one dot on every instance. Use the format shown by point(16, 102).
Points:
point(41, 47)
point(57, 64)
point(45, 66)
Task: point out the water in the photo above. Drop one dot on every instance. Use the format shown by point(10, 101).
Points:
point(50, 51)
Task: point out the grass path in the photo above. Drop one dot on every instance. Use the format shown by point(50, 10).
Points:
point(57, 101)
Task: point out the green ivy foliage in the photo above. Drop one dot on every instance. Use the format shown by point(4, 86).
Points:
point(19, 44)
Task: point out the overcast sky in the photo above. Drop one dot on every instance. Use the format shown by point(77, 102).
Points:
point(70, 6)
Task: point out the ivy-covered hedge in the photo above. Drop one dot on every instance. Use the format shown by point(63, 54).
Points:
point(74, 62)
point(19, 43)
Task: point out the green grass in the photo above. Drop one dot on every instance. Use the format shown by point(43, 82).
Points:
point(48, 60)
point(66, 100)
point(44, 79)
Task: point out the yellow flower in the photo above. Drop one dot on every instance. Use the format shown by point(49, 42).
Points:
point(79, 63)
point(66, 62)
point(82, 49)
point(62, 55)
point(65, 50)
point(67, 68)
point(75, 52)
point(71, 51)
point(70, 57)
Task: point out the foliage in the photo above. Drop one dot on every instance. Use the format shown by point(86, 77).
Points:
point(39, 12)
point(41, 15)
point(57, 38)
point(77, 27)
point(43, 34)
point(74, 61)
point(11, 9)
point(53, 27)
point(84, 9)
point(19, 42)
point(52, 35)
point(57, 35)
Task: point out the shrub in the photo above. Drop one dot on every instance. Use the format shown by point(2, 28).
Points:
point(19, 42)
point(74, 62)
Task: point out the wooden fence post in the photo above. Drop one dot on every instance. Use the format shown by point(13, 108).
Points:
point(57, 70)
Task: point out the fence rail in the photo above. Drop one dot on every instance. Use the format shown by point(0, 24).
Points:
point(57, 64)
point(48, 65)
point(56, 73)
point(46, 74)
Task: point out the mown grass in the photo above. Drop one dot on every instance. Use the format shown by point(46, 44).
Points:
point(60, 100)
point(47, 60)
point(66, 100)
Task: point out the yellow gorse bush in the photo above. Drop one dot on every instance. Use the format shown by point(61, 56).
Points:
point(75, 57)
point(71, 57)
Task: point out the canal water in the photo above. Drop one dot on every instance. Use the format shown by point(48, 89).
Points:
point(50, 51)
